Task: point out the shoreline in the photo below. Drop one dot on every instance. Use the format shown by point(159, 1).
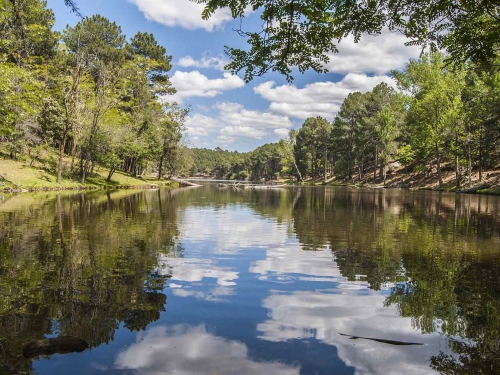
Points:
point(10, 190)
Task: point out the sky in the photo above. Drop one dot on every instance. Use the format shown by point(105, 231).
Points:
point(226, 112)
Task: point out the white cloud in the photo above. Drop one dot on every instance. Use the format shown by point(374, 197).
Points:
point(243, 131)
point(235, 115)
point(185, 349)
point(214, 62)
point(316, 99)
point(377, 54)
point(281, 132)
point(190, 84)
point(199, 125)
point(224, 140)
point(234, 121)
point(183, 13)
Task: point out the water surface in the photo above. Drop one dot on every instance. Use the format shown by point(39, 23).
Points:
point(223, 281)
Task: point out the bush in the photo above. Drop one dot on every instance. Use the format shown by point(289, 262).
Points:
point(243, 175)
point(174, 184)
point(340, 168)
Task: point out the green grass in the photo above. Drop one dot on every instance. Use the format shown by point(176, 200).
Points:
point(19, 175)
point(494, 191)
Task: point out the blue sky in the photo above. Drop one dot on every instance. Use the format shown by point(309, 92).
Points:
point(226, 112)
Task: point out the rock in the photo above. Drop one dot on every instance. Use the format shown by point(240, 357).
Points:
point(59, 345)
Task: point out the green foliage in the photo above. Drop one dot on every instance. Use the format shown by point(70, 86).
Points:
point(300, 33)
point(87, 92)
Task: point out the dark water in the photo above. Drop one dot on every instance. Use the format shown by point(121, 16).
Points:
point(208, 281)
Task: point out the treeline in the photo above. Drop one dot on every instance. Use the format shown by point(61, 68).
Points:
point(265, 162)
point(435, 117)
point(88, 94)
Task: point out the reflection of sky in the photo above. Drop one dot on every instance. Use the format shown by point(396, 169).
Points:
point(184, 350)
point(229, 230)
point(339, 307)
point(246, 299)
point(324, 314)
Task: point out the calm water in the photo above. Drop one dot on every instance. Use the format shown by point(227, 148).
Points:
point(209, 281)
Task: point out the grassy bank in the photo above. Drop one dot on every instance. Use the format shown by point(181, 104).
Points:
point(20, 176)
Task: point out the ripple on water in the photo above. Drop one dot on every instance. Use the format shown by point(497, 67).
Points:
point(277, 278)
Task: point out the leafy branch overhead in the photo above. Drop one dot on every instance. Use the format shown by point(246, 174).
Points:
point(302, 33)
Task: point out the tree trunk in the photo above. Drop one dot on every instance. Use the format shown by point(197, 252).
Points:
point(60, 162)
point(438, 164)
point(111, 171)
point(469, 164)
point(84, 169)
point(376, 163)
point(160, 167)
point(325, 166)
point(480, 161)
point(457, 165)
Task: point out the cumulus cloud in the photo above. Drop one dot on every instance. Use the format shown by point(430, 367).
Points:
point(213, 62)
point(281, 132)
point(183, 13)
point(199, 125)
point(191, 84)
point(224, 140)
point(237, 116)
point(377, 54)
point(316, 99)
point(233, 121)
point(243, 131)
point(186, 349)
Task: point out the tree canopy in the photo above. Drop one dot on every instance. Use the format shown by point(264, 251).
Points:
point(301, 33)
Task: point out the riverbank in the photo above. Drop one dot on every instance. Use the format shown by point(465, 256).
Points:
point(398, 178)
point(18, 176)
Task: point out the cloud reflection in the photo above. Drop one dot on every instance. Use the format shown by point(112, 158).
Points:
point(231, 230)
point(185, 349)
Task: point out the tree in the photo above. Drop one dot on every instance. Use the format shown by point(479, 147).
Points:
point(26, 34)
point(170, 133)
point(385, 118)
point(101, 43)
point(350, 130)
point(436, 93)
point(285, 148)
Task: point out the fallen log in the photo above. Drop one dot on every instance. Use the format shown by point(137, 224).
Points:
point(183, 182)
point(56, 345)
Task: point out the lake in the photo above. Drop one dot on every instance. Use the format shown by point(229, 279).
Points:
point(231, 281)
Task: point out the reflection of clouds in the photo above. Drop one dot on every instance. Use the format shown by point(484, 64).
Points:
point(345, 307)
point(184, 350)
point(213, 295)
point(316, 266)
point(292, 259)
point(231, 229)
point(193, 270)
point(324, 314)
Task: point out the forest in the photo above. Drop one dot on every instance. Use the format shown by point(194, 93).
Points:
point(85, 97)
point(435, 118)
point(88, 97)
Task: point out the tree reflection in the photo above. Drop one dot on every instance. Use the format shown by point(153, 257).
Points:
point(79, 265)
point(437, 254)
